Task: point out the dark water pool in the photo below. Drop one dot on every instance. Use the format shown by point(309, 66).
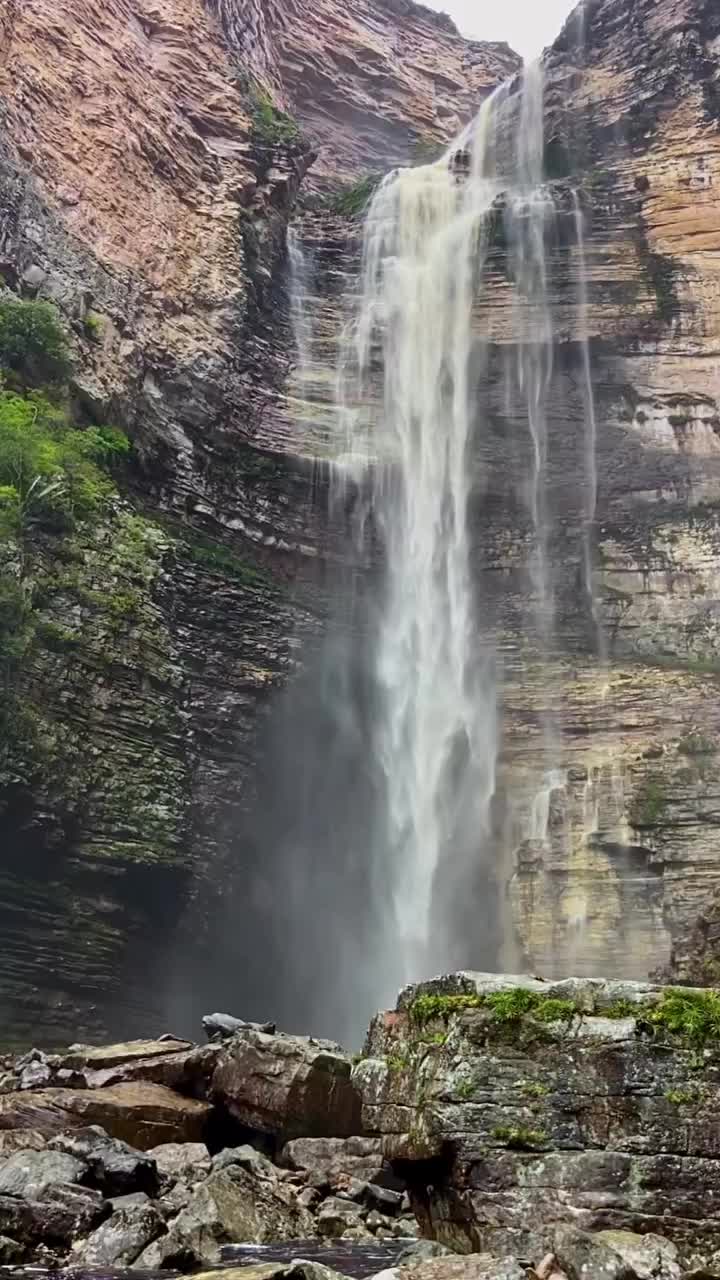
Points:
point(352, 1259)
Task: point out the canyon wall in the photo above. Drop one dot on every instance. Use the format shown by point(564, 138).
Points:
point(150, 157)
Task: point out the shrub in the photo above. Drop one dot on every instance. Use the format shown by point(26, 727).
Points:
point(271, 125)
point(353, 200)
point(33, 346)
point(692, 1017)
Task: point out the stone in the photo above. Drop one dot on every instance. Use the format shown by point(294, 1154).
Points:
point(249, 1158)
point(329, 1159)
point(233, 1205)
point(31, 1173)
point(175, 1160)
point(133, 1200)
point(64, 1213)
point(287, 1086)
point(422, 1251)
point(122, 1238)
point(649, 1256)
point(115, 1167)
point(143, 1115)
point(12, 1140)
point(336, 1216)
point(383, 1199)
point(479, 1266)
point(222, 1026)
point(10, 1251)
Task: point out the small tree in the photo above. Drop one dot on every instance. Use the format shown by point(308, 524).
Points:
point(33, 346)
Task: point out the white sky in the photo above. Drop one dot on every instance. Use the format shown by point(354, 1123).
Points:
point(527, 25)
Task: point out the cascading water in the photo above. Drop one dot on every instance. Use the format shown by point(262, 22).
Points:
point(300, 278)
point(427, 238)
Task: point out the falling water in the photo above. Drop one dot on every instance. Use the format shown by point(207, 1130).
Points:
point(427, 238)
point(300, 282)
point(591, 480)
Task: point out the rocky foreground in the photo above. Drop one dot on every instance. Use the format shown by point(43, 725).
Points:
point(530, 1129)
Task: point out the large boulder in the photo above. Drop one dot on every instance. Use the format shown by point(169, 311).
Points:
point(64, 1213)
point(515, 1106)
point(287, 1086)
point(115, 1167)
point(615, 1255)
point(233, 1205)
point(120, 1240)
point(177, 1064)
point(329, 1160)
point(181, 1160)
point(31, 1173)
point(142, 1114)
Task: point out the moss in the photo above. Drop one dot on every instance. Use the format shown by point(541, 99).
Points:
point(397, 1062)
point(555, 1011)
point(93, 324)
point(505, 1008)
point(533, 1089)
point(466, 1089)
point(429, 1008)
point(352, 201)
point(649, 805)
point(271, 126)
point(620, 1009)
point(690, 1017)
point(518, 1138)
point(214, 555)
point(682, 1097)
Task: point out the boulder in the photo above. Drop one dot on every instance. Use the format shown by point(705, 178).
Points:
point(31, 1173)
point(115, 1167)
point(473, 1266)
point(144, 1115)
point(249, 1158)
point(615, 1255)
point(287, 1086)
point(64, 1213)
point(189, 1160)
point(422, 1251)
point(10, 1251)
point(328, 1159)
point(95, 1057)
point(233, 1205)
point(20, 1140)
point(336, 1216)
point(122, 1238)
point(222, 1026)
point(177, 1064)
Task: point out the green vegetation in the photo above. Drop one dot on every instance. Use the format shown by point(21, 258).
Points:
point(272, 127)
point(504, 1007)
point(620, 1009)
point(33, 347)
point(531, 1089)
point(93, 325)
point(466, 1089)
point(352, 201)
point(397, 1062)
point(214, 555)
point(683, 1097)
point(648, 806)
point(691, 1017)
point(518, 1138)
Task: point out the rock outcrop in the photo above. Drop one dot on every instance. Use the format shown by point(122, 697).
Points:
point(515, 1107)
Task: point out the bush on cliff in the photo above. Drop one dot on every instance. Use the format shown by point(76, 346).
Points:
point(33, 347)
point(48, 468)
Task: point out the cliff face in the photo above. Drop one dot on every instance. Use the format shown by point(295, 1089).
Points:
point(148, 168)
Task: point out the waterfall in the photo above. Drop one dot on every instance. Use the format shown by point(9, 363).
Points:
point(301, 274)
point(427, 237)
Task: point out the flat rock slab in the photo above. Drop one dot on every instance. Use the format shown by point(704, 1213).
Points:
point(113, 1055)
point(142, 1114)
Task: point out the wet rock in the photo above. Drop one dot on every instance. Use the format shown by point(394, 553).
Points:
point(422, 1251)
point(181, 1160)
point(288, 1086)
point(221, 1026)
point(115, 1167)
point(65, 1213)
point(120, 1240)
point(246, 1157)
point(10, 1251)
point(335, 1216)
point(143, 1115)
point(615, 1255)
point(134, 1200)
point(383, 1199)
point(234, 1204)
point(32, 1173)
point(478, 1266)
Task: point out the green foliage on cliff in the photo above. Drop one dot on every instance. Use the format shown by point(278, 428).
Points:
point(519, 1138)
point(271, 126)
point(693, 1017)
point(33, 348)
point(647, 807)
point(353, 200)
point(505, 1008)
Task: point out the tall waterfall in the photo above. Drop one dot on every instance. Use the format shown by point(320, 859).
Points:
point(427, 238)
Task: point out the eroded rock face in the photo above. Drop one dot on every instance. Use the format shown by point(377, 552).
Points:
point(141, 1114)
point(515, 1106)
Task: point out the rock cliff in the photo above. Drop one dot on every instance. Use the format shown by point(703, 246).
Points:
point(149, 161)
